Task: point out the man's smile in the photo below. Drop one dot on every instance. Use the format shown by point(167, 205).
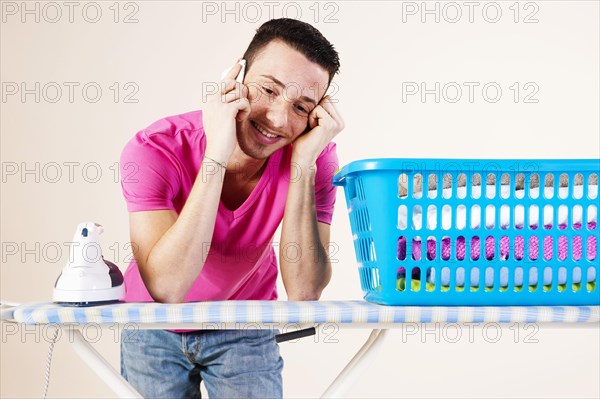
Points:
point(266, 135)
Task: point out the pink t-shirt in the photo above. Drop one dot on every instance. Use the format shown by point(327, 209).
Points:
point(158, 169)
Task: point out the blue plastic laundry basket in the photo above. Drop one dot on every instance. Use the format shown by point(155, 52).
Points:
point(475, 232)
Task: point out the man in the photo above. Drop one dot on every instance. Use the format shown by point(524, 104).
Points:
point(206, 191)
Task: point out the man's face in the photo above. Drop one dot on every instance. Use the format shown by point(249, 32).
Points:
point(284, 87)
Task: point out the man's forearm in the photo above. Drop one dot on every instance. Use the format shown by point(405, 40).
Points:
point(305, 273)
point(177, 258)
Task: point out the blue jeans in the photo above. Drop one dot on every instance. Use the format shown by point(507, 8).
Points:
point(232, 363)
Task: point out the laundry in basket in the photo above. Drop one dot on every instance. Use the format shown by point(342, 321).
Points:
point(492, 232)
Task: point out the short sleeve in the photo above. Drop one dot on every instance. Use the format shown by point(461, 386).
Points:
point(149, 179)
point(325, 191)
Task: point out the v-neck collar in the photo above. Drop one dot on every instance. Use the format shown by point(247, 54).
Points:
point(264, 179)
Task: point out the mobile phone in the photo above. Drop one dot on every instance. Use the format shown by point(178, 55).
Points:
point(240, 77)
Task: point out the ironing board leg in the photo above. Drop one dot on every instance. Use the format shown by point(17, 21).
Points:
point(102, 368)
point(355, 367)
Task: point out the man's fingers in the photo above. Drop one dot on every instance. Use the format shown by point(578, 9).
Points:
point(240, 91)
point(332, 111)
point(244, 109)
point(227, 85)
point(314, 115)
point(230, 84)
point(320, 117)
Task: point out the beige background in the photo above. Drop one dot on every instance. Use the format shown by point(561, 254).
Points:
point(170, 52)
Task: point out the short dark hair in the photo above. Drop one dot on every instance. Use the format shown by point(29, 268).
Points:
point(299, 35)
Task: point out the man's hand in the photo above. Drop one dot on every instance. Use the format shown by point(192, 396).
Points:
point(220, 114)
point(325, 123)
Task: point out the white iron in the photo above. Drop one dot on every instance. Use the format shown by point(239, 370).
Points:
point(88, 279)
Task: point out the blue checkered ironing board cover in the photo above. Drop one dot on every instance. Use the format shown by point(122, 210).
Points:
point(296, 312)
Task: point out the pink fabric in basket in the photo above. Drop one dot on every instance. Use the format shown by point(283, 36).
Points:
point(519, 247)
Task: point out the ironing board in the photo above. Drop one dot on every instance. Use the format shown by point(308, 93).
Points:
point(281, 315)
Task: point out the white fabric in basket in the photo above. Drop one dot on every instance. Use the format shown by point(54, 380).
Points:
point(489, 212)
